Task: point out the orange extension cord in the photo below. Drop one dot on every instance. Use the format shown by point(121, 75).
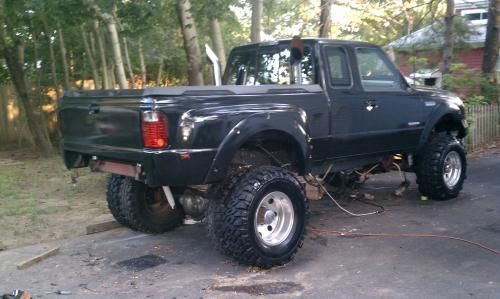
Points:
point(319, 231)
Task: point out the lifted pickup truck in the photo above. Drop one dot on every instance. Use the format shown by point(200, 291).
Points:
point(236, 153)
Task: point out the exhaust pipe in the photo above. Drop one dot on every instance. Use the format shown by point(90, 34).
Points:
point(216, 65)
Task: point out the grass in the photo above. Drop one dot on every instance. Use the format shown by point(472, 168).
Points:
point(39, 202)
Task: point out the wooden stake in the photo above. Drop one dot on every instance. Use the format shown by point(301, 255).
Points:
point(36, 259)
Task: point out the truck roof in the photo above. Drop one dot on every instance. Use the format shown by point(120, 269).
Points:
point(309, 40)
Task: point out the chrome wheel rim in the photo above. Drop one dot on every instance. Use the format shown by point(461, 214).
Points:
point(274, 218)
point(452, 169)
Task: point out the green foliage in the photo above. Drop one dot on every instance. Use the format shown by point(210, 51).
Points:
point(419, 62)
point(383, 21)
point(474, 88)
point(4, 73)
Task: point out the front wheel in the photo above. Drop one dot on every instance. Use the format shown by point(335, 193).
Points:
point(263, 222)
point(441, 168)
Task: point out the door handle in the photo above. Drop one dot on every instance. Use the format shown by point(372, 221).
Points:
point(371, 105)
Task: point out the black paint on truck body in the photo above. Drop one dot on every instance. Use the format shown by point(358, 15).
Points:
point(327, 124)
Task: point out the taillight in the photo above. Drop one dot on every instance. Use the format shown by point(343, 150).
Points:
point(154, 129)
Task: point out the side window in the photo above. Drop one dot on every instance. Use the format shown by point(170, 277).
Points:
point(375, 71)
point(338, 66)
point(241, 69)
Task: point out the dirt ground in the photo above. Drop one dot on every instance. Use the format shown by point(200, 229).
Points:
point(489, 148)
point(39, 201)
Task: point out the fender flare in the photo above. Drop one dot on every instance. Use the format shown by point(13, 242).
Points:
point(291, 122)
point(451, 111)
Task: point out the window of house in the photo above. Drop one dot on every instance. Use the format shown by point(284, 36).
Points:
point(338, 66)
point(474, 16)
point(376, 72)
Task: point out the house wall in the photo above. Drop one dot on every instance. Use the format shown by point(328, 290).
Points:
point(472, 58)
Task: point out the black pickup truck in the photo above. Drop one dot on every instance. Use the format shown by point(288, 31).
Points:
point(235, 154)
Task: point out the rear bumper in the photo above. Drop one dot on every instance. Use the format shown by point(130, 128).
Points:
point(173, 168)
point(155, 167)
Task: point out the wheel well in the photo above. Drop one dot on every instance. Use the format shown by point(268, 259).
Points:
point(271, 148)
point(448, 123)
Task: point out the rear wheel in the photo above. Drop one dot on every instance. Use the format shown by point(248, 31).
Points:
point(147, 209)
point(113, 198)
point(441, 168)
point(264, 221)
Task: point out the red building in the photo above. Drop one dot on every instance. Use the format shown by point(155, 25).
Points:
point(428, 42)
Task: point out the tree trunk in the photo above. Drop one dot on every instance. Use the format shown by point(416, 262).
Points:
point(102, 54)
point(492, 43)
point(115, 43)
point(159, 75)
point(110, 22)
point(14, 58)
point(93, 47)
point(255, 33)
point(448, 37)
point(4, 118)
point(325, 19)
point(91, 58)
point(62, 48)
point(218, 42)
point(129, 65)
point(191, 44)
point(52, 56)
point(143, 65)
point(112, 76)
point(83, 72)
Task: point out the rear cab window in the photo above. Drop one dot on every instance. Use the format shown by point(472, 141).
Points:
point(268, 65)
point(338, 67)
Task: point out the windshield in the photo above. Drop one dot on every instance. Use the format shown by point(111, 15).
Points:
point(269, 65)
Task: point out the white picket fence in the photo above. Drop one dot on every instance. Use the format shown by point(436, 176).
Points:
point(484, 124)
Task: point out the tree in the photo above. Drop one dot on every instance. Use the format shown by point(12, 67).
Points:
point(64, 58)
point(90, 58)
point(448, 37)
point(110, 22)
point(143, 64)
point(129, 64)
point(383, 21)
point(191, 44)
point(106, 80)
point(325, 19)
point(12, 48)
point(218, 42)
point(491, 43)
point(52, 57)
point(255, 33)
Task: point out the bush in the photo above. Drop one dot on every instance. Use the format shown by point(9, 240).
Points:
point(471, 85)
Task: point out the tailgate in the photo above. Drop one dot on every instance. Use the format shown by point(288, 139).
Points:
point(102, 126)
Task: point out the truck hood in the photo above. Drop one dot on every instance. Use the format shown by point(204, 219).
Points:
point(441, 95)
